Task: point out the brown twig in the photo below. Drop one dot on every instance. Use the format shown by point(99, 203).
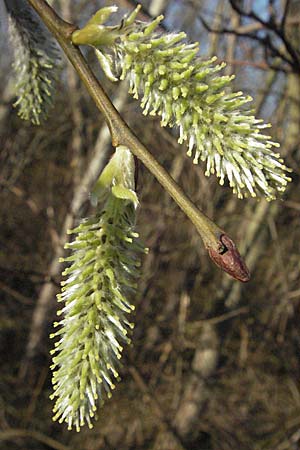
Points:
point(17, 433)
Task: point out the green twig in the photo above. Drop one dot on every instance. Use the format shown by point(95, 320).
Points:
point(121, 134)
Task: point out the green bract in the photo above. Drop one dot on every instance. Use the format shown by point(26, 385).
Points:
point(97, 292)
point(187, 91)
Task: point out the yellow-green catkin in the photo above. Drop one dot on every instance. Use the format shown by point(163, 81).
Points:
point(36, 61)
point(189, 92)
point(97, 293)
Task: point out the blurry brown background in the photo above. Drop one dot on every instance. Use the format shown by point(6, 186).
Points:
point(214, 364)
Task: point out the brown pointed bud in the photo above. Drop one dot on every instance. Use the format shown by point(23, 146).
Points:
point(229, 259)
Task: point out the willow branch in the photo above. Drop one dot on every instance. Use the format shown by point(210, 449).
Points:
point(121, 134)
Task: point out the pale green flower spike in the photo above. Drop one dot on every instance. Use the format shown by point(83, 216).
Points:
point(187, 91)
point(36, 63)
point(100, 281)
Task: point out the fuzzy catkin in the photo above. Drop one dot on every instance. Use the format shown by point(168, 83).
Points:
point(36, 61)
point(101, 275)
point(187, 91)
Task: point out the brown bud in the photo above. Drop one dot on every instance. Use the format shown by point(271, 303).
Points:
point(229, 259)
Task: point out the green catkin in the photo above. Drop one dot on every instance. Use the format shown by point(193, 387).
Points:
point(36, 62)
point(97, 293)
point(186, 91)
